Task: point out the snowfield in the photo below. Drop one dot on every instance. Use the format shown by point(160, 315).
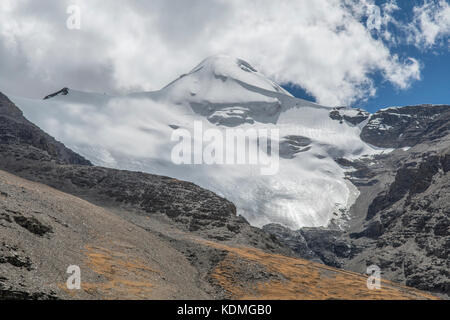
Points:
point(134, 132)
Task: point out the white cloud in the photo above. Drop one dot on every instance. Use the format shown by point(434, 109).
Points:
point(377, 17)
point(323, 46)
point(431, 24)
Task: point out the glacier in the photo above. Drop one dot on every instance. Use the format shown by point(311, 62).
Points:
point(133, 132)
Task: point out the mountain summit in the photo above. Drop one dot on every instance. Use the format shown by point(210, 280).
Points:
point(223, 79)
point(134, 132)
point(229, 91)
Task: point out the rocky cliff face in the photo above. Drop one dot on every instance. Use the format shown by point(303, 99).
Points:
point(353, 116)
point(407, 126)
point(19, 135)
point(401, 220)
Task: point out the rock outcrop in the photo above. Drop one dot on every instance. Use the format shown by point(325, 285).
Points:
point(20, 137)
point(407, 126)
point(351, 115)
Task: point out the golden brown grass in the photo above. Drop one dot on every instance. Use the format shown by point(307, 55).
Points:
point(301, 279)
point(120, 276)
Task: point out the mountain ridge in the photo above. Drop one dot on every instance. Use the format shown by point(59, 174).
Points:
point(140, 127)
point(107, 220)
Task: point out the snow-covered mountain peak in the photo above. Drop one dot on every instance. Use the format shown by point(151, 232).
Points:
point(223, 79)
point(226, 68)
point(221, 63)
point(134, 132)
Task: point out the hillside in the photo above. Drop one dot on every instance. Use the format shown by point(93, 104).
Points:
point(140, 236)
point(43, 231)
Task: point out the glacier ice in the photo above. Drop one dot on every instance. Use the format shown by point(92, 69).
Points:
point(133, 132)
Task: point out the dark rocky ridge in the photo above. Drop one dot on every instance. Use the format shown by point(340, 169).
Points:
point(295, 240)
point(16, 132)
point(339, 114)
point(407, 126)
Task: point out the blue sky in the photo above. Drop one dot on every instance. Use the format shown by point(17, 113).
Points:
point(432, 88)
